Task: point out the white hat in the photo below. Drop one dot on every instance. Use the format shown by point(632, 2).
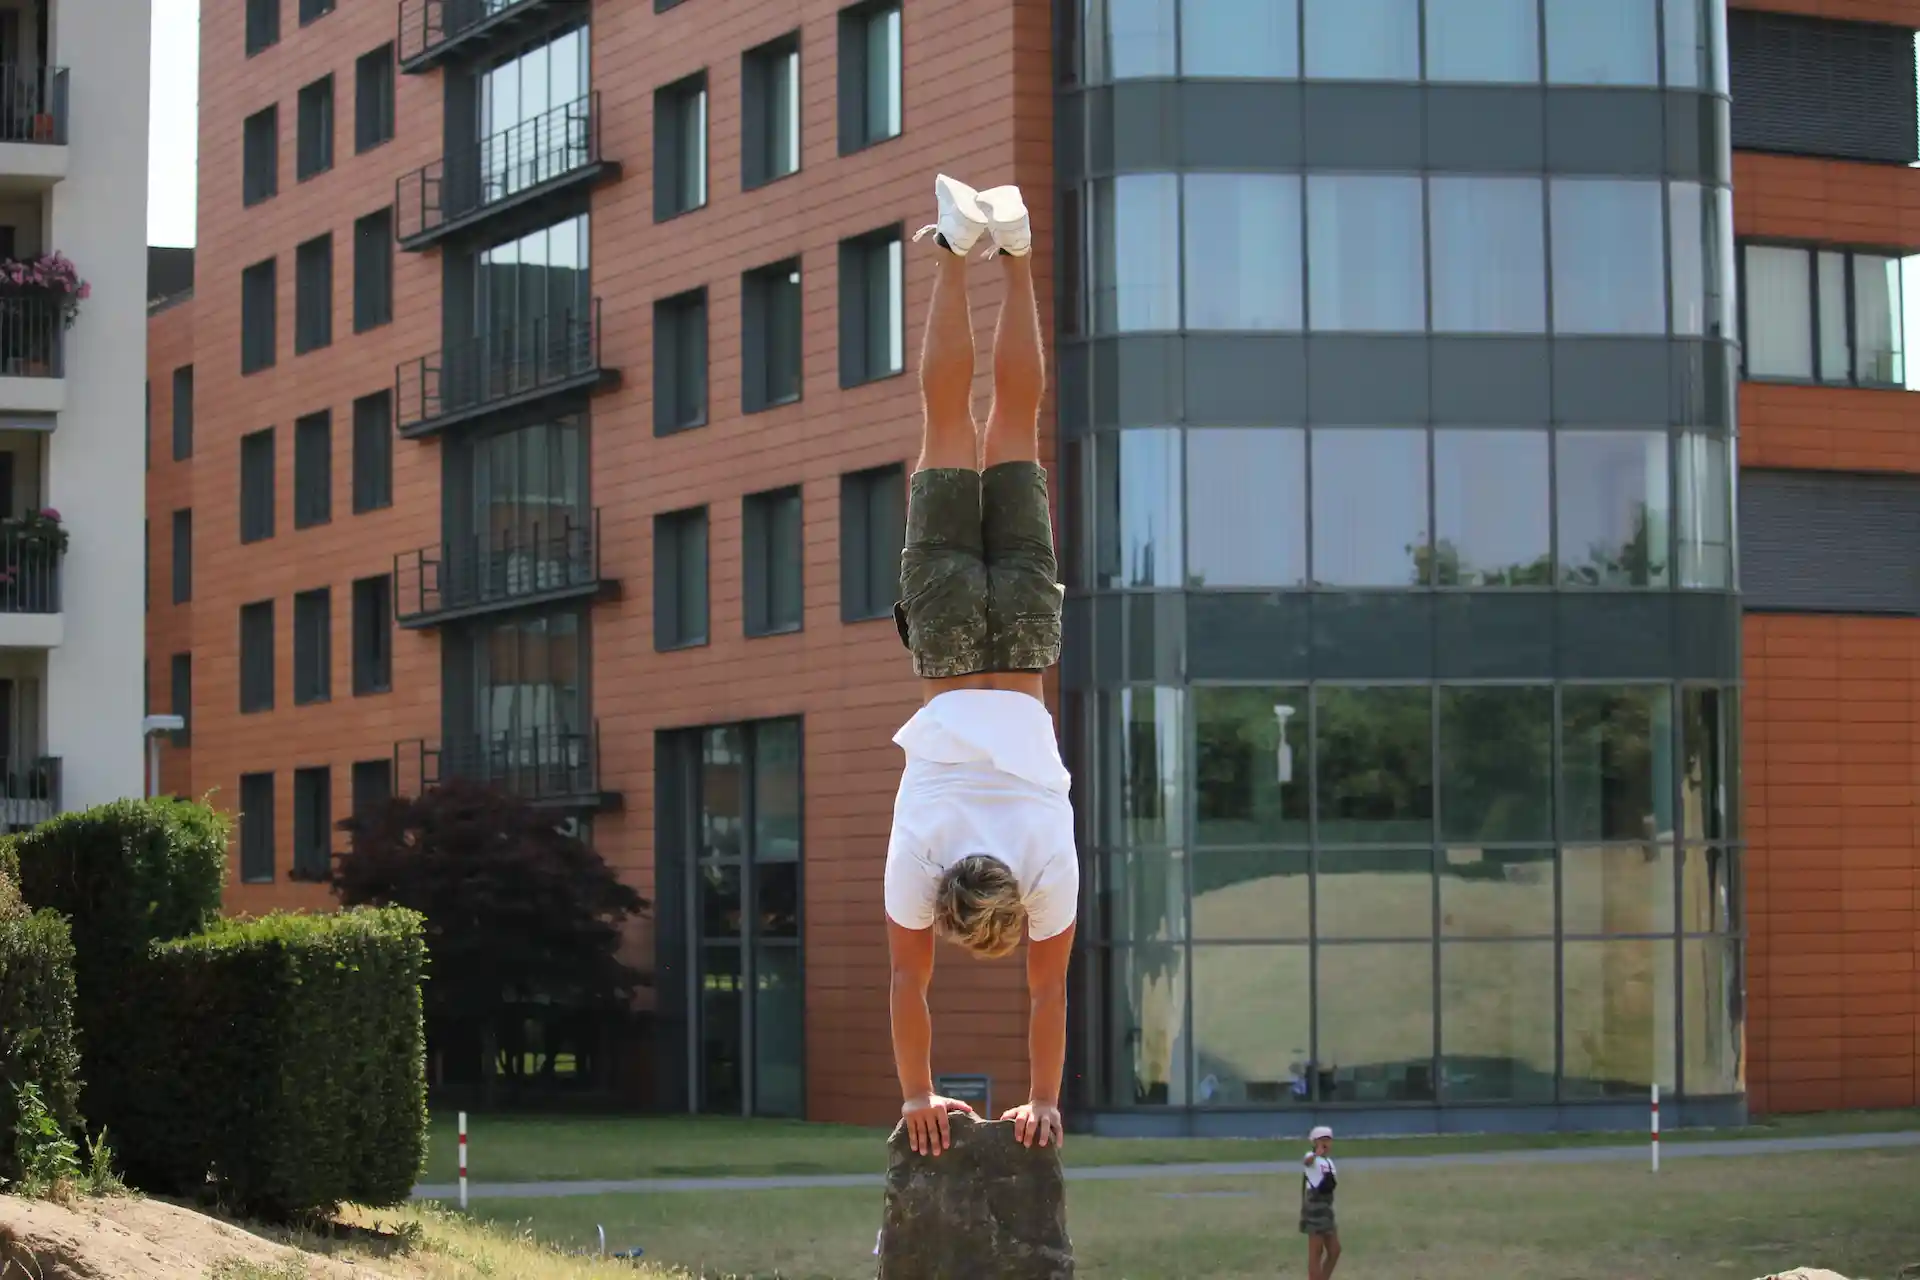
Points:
point(1319, 1131)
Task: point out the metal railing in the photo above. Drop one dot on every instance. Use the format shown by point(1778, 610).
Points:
point(33, 105)
point(498, 569)
point(29, 791)
point(544, 765)
point(529, 155)
point(503, 365)
point(31, 345)
point(429, 26)
point(29, 576)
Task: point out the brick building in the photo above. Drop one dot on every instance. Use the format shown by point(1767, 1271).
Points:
point(551, 395)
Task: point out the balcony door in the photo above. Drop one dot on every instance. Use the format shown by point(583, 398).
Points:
point(533, 298)
point(532, 122)
point(526, 529)
point(526, 707)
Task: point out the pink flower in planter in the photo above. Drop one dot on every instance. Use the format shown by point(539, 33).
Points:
point(50, 513)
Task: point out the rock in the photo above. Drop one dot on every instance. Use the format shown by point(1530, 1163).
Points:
point(986, 1208)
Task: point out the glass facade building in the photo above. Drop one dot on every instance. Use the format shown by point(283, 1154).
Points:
point(1397, 366)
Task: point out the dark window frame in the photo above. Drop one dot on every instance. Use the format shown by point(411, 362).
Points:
point(866, 263)
point(258, 463)
point(182, 413)
point(313, 646)
point(772, 335)
point(313, 294)
point(260, 156)
point(373, 270)
point(257, 674)
point(773, 561)
point(374, 117)
point(680, 359)
point(313, 129)
point(313, 469)
point(259, 303)
point(1851, 253)
point(312, 823)
point(180, 696)
point(257, 829)
point(870, 556)
point(372, 635)
point(262, 25)
point(373, 452)
point(761, 68)
point(363, 770)
point(314, 10)
point(183, 556)
point(674, 594)
point(854, 23)
point(671, 104)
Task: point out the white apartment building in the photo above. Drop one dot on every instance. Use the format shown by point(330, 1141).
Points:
point(73, 181)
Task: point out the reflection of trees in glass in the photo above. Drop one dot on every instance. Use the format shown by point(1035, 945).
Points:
point(1613, 739)
point(1637, 562)
point(1704, 779)
point(1441, 565)
point(1242, 799)
point(1496, 763)
point(1374, 758)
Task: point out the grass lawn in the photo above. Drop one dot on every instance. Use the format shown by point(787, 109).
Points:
point(1733, 1218)
point(541, 1148)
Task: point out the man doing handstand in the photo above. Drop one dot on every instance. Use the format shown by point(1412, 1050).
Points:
point(982, 847)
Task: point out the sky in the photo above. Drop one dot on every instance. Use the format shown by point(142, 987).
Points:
point(173, 134)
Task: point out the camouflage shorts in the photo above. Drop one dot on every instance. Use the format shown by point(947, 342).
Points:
point(979, 587)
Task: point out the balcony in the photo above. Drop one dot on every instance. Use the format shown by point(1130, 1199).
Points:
point(518, 569)
point(32, 354)
point(29, 791)
point(33, 128)
point(508, 183)
point(550, 362)
point(549, 768)
point(435, 32)
point(30, 616)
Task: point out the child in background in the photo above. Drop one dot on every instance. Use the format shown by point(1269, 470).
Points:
point(1316, 1206)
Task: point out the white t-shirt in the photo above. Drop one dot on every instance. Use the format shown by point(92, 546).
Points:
point(983, 775)
point(1318, 1171)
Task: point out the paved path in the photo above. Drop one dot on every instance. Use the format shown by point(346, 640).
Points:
point(481, 1190)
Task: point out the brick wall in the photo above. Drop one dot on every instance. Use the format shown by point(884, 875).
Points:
point(169, 488)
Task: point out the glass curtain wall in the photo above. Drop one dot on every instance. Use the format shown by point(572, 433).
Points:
point(533, 300)
point(533, 119)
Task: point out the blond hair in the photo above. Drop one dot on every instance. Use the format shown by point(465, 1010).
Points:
point(978, 906)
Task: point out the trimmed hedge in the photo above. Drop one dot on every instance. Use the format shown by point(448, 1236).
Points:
point(285, 1063)
point(36, 1016)
point(125, 874)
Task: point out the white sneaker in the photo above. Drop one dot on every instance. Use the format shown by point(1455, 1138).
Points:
point(1007, 221)
point(961, 221)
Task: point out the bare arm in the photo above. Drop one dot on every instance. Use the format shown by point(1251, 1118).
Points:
point(911, 951)
point(1047, 1014)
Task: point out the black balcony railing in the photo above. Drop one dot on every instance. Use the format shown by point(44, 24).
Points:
point(29, 576)
point(33, 105)
point(555, 150)
point(503, 369)
point(31, 326)
point(548, 766)
point(432, 31)
point(533, 563)
point(29, 791)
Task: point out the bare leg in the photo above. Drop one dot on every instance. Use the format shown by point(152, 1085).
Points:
point(1332, 1257)
point(1313, 1259)
point(949, 437)
point(1019, 371)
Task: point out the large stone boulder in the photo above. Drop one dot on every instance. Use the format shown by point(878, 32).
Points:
point(986, 1208)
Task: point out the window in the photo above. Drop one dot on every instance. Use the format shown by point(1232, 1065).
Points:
point(770, 337)
point(263, 25)
point(312, 646)
point(1613, 508)
point(313, 470)
point(1369, 507)
point(183, 413)
point(146, 565)
point(680, 579)
point(313, 294)
point(146, 442)
point(373, 452)
point(256, 485)
point(1813, 542)
point(1491, 499)
point(1133, 222)
point(869, 74)
point(1853, 333)
point(1816, 86)
point(372, 635)
point(770, 111)
point(312, 823)
point(1609, 257)
point(256, 656)
point(1137, 511)
point(260, 156)
point(1365, 254)
point(1489, 255)
point(372, 785)
point(1243, 262)
point(1235, 40)
point(680, 147)
point(183, 555)
point(258, 301)
point(873, 307)
point(873, 528)
point(680, 362)
point(1363, 39)
point(1484, 42)
point(1613, 43)
point(372, 270)
point(373, 99)
point(256, 828)
point(1700, 226)
point(1703, 512)
point(1246, 507)
point(310, 10)
point(313, 151)
point(1373, 758)
point(771, 532)
point(180, 679)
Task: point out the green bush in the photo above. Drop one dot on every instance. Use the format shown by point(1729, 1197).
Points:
point(125, 874)
point(284, 1063)
point(37, 1054)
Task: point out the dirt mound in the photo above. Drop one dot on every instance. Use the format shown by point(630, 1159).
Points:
point(124, 1238)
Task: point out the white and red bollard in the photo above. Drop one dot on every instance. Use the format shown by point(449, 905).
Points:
point(463, 1160)
point(1656, 1128)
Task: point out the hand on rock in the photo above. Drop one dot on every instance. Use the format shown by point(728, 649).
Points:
point(1037, 1123)
point(926, 1117)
